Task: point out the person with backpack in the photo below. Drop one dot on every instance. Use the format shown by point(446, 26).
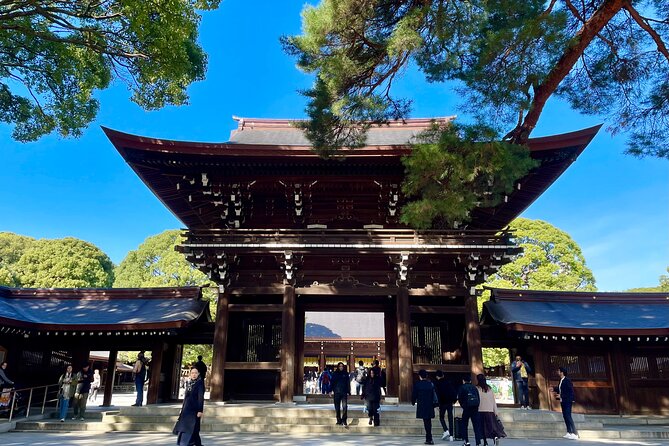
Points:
point(489, 426)
point(360, 377)
point(425, 397)
point(447, 395)
point(324, 382)
point(469, 400)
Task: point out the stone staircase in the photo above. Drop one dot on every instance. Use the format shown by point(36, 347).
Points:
point(320, 419)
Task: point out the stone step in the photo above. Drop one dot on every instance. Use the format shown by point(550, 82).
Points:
point(506, 415)
point(356, 420)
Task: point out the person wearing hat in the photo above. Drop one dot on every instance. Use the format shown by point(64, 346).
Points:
point(566, 392)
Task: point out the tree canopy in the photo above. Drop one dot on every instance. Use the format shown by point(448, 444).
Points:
point(55, 54)
point(63, 263)
point(606, 57)
point(155, 263)
point(12, 247)
point(551, 260)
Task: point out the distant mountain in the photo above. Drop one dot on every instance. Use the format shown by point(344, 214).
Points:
point(319, 331)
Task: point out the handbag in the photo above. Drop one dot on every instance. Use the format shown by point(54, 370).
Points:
point(500, 427)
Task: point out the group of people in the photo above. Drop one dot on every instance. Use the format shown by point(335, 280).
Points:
point(479, 405)
point(78, 388)
point(477, 402)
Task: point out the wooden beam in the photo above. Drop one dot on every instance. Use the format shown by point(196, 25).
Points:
point(287, 390)
point(405, 356)
point(220, 347)
point(252, 308)
point(345, 291)
point(157, 354)
point(431, 309)
point(299, 351)
point(237, 291)
point(252, 366)
point(109, 378)
point(447, 368)
point(392, 370)
point(473, 330)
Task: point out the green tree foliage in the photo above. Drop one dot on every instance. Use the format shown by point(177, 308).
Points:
point(507, 58)
point(662, 287)
point(55, 54)
point(551, 260)
point(191, 352)
point(12, 247)
point(64, 263)
point(156, 263)
point(455, 169)
point(492, 357)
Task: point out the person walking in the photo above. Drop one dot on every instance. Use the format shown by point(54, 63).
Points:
point(5, 382)
point(521, 370)
point(566, 392)
point(489, 427)
point(424, 398)
point(84, 381)
point(140, 376)
point(360, 377)
point(201, 367)
point(187, 427)
point(95, 386)
point(341, 388)
point(469, 400)
point(66, 387)
point(447, 395)
point(324, 381)
point(371, 393)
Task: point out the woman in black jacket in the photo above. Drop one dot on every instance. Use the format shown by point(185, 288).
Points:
point(371, 393)
point(188, 424)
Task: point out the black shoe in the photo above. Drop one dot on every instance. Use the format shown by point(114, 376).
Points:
point(370, 421)
point(429, 442)
point(343, 423)
point(338, 423)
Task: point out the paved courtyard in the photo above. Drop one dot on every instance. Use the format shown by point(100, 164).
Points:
point(231, 439)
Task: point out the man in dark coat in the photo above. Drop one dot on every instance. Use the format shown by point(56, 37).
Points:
point(188, 424)
point(341, 388)
point(469, 399)
point(566, 391)
point(423, 396)
point(84, 379)
point(521, 370)
point(446, 395)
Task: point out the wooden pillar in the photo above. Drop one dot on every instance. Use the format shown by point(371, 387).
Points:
point(620, 379)
point(392, 370)
point(287, 388)
point(299, 351)
point(110, 378)
point(404, 351)
point(541, 377)
point(155, 368)
point(473, 329)
point(220, 346)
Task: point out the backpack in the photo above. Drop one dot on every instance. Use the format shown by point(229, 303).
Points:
point(325, 379)
point(472, 398)
point(361, 374)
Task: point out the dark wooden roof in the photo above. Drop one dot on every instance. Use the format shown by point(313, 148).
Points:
point(85, 310)
point(266, 161)
point(578, 313)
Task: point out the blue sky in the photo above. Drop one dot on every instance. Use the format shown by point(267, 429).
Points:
point(616, 207)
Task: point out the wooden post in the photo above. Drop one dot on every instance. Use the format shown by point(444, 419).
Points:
point(110, 378)
point(473, 329)
point(287, 389)
point(541, 377)
point(220, 346)
point(155, 368)
point(404, 351)
point(392, 370)
point(299, 351)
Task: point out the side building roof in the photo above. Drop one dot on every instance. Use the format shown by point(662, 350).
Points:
point(26, 311)
point(578, 313)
